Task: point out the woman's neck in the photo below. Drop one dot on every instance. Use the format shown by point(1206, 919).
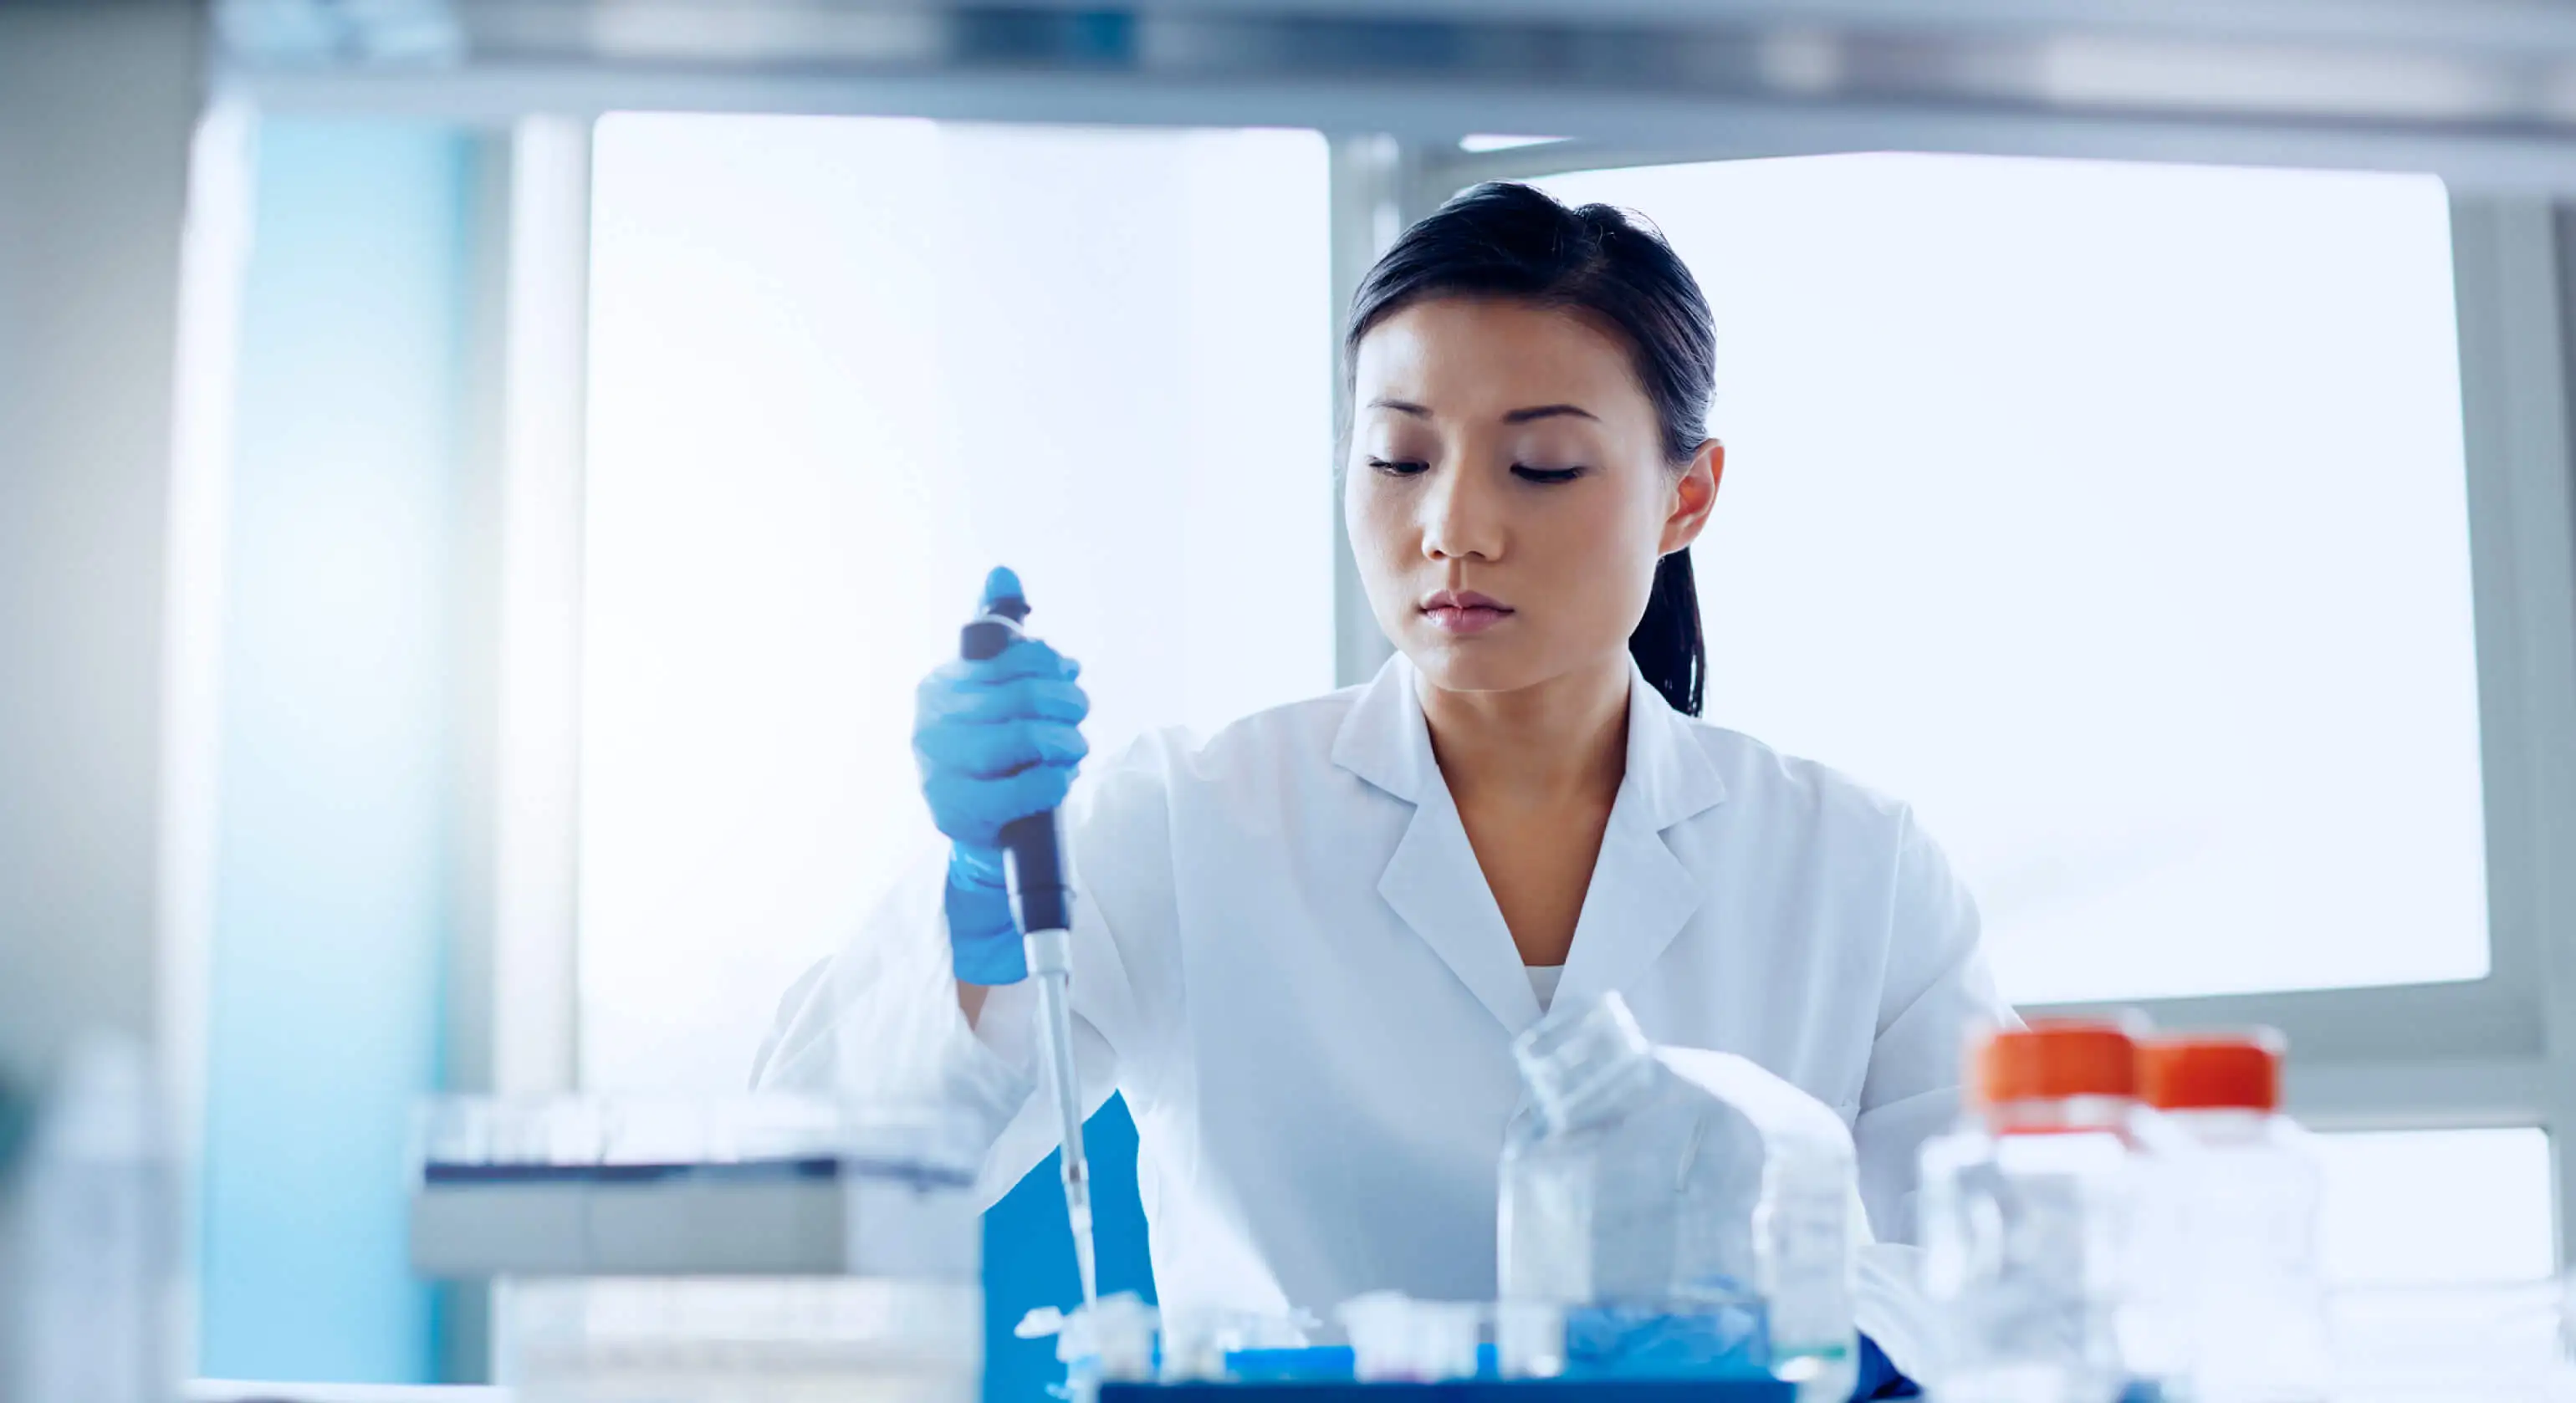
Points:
point(1559, 740)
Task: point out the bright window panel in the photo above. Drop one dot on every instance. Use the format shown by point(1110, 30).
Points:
point(2438, 1207)
point(2114, 516)
point(840, 367)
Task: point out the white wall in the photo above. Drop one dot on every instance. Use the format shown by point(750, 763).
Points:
point(2116, 517)
point(840, 368)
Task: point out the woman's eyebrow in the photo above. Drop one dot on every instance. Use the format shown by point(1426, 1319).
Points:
point(1402, 406)
point(1549, 411)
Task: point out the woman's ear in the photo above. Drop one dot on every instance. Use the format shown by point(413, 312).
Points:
point(1694, 495)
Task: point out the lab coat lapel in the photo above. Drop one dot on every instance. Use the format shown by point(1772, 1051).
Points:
point(1433, 881)
point(1642, 894)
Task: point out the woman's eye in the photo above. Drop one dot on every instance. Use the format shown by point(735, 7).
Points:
point(1545, 475)
point(1400, 467)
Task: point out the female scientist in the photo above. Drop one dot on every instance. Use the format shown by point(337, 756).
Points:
point(1302, 948)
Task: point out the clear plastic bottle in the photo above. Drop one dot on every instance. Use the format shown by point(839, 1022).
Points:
point(2232, 1257)
point(1397, 1339)
point(2026, 1214)
point(1690, 1210)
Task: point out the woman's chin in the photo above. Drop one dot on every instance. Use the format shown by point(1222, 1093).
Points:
point(1472, 665)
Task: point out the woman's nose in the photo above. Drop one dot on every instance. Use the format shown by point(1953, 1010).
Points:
point(1460, 518)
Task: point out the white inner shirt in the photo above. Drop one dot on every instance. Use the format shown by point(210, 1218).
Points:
point(1543, 980)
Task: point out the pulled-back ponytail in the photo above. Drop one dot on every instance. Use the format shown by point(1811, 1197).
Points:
point(1509, 240)
point(1667, 644)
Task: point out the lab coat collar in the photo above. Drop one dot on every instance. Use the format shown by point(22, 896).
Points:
point(1640, 896)
point(1386, 741)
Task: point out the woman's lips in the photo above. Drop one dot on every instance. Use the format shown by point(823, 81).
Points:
point(1464, 612)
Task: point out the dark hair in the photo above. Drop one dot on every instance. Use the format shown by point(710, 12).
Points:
point(1507, 240)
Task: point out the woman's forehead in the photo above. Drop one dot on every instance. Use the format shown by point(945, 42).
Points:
point(1462, 356)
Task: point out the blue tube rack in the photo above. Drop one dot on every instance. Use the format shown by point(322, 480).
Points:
point(1323, 1375)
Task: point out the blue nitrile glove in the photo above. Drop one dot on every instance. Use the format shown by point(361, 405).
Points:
point(998, 740)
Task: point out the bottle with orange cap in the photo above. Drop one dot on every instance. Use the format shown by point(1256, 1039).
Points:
point(2228, 1260)
point(2025, 1215)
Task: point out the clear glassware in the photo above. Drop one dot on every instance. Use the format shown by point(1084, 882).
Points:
point(1689, 1210)
point(1121, 1339)
point(1529, 1339)
point(2026, 1215)
point(89, 1256)
point(1397, 1339)
point(2231, 1292)
point(1112, 1340)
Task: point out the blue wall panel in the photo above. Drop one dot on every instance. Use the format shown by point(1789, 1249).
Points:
point(1028, 1254)
point(334, 838)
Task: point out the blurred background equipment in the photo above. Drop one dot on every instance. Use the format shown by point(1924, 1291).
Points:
point(745, 1247)
point(440, 442)
point(87, 1221)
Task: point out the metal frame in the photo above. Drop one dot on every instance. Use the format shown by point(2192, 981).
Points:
point(1376, 190)
point(2475, 1053)
point(1630, 128)
point(537, 851)
point(512, 987)
point(2476, 90)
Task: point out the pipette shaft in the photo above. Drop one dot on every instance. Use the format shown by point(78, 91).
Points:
point(1050, 964)
point(1036, 849)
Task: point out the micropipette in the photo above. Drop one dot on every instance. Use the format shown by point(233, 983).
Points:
point(1036, 847)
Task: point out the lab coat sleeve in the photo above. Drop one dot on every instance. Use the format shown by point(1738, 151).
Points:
point(880, 1021)
point(1936, 987)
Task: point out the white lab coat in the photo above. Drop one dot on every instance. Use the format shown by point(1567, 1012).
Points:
point(1287, 958)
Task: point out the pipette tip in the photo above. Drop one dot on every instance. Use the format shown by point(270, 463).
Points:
point(1082, 1252)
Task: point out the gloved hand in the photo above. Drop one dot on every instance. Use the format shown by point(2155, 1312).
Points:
point(997, 740)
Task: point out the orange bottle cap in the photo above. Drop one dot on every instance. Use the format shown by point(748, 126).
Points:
point(2228, 1072)
point(2053, 1060)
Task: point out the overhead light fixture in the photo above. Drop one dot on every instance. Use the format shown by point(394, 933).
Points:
point(1492, 141)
